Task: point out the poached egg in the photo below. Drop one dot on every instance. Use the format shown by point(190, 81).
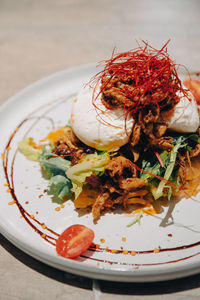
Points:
point(185, 118)
point(108, 130)
point(101, 128)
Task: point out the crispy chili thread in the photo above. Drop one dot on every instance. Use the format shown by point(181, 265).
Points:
point(159, 159)
point(149, 70)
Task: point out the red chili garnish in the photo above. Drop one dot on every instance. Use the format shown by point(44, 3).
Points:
point(159, 159)
point(151, 174)
point(150, 71)
point(74, 241)
point(173, 184)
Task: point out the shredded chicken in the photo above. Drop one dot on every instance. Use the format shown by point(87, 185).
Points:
point(135, 135)
point(131, 184)
point(182, 169)
point(115, 92)
point(160, 129)
point(195, 151)
point(120, 166)
point(70, 147)
point(99, 204)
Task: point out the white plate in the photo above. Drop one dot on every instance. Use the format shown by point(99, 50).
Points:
point(37, 110)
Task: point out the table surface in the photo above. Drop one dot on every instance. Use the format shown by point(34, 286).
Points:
point(38, 38)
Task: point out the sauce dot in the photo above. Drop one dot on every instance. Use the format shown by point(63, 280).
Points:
point(11, 202)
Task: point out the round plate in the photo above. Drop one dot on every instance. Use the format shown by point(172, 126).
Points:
point(163, 246)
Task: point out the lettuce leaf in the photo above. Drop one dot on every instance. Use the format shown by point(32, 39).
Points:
point(52, 163)
point(91, 163)
point(59, 184)
point(27, 150)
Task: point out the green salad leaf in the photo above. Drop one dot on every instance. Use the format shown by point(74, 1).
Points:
point(91, 163)
point(172, 159)
point(169, 172)
point(60, 186)
point(56, 167)
point(27, 150)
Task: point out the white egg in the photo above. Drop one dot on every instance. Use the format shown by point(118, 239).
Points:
point(100, 128)
point(185, 118)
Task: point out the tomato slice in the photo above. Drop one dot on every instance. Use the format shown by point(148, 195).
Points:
point(74, 241)
point(194, 86)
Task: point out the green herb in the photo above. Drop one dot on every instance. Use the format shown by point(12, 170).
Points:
point(159, 191)
point(150, 164)
point(137, 219)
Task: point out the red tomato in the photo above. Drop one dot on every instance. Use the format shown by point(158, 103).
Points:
point(194, 86)
point(74, 241)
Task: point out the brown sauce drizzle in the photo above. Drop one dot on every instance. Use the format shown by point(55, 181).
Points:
point(23, 212)
point(96, 248)
point(52, 239)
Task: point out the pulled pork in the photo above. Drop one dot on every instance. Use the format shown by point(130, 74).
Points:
point(119, 179)
point(151, 119)
point(122, 91)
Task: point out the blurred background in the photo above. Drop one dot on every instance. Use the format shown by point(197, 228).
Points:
point(38, 38)
point(41, 37)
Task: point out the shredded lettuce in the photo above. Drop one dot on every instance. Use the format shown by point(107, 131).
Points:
point(64, 179)
point(60, 186)
point(159, 191)
point(169, 172)
point(91, 163)
point(153, 166)
point(137, 219)
point(56, 167)
point(27, 150)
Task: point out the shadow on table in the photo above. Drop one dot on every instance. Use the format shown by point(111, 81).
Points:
point(44, 269)
point(163, 287)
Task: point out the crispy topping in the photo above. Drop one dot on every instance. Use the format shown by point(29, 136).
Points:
point(139, 77)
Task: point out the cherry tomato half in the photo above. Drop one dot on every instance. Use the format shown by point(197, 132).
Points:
point(194, 86)
point(74, 241)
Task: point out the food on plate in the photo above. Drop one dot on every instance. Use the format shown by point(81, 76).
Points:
point(185, 117)
point(102, 129)
point(74, 241)
point(133, 138)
